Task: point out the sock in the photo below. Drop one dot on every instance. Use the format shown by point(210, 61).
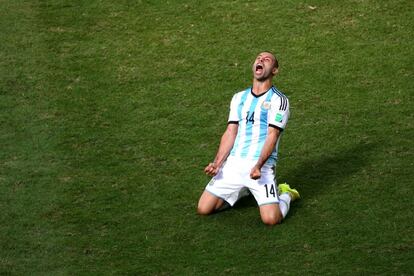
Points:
point(284, 203)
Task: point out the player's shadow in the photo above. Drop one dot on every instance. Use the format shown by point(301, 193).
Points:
point(312, 176)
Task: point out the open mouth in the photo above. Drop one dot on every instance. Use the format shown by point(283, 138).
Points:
point(259, 67)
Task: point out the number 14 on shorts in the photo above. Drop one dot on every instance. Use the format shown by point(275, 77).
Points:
point(270, 190)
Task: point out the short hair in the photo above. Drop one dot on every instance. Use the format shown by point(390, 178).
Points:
point(276, 61)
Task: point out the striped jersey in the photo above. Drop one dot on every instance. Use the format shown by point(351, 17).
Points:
point(254, 114)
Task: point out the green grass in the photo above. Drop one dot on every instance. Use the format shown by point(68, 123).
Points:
point(109, 111)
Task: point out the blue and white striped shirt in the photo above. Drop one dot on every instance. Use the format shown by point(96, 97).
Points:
point(254, 114)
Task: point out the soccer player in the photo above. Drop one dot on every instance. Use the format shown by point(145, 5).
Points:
point(247, 154)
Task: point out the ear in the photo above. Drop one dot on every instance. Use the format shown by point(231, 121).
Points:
point(275, 71)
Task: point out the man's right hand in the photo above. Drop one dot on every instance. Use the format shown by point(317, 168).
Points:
point(211, 169)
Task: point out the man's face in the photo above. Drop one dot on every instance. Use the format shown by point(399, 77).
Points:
point(264, 66)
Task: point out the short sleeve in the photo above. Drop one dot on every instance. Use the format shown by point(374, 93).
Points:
point(279, 112)
point(234, 114)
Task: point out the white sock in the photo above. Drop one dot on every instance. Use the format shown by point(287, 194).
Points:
point(284, 203)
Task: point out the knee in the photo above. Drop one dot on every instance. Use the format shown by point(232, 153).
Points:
point(271, 214)
point(203, 210)
point(208, 203)
point(271, 219)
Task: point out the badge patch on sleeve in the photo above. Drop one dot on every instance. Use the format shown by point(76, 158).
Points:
point(279, 117)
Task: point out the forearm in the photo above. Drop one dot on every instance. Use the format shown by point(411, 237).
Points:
point(226, 144)
point(268, 147)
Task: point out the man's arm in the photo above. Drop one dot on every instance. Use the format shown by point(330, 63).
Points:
point(226, 144)
point(268, 147)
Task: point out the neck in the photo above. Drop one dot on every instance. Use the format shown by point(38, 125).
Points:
point(259, 87)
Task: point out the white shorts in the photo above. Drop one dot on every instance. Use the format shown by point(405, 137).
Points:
point(235, 175)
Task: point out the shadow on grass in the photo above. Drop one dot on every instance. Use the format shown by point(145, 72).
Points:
point(312, 176)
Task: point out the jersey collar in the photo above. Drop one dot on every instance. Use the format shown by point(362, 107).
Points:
point(257, 96)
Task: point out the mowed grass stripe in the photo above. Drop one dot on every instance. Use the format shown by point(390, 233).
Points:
point(127, 103)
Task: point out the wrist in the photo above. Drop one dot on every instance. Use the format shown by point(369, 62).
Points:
point(258, 166)
point(216, 163)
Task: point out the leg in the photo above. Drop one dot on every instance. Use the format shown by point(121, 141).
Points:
point(267, 198)
point(271, 214)
point(222, 191)
point(209, 203)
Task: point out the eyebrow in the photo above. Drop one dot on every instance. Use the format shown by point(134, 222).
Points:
point(266, 56)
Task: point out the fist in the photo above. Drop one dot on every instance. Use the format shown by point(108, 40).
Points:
point(255, 173)
point(211, 169)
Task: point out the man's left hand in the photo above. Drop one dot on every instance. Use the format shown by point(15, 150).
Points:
point(255, 173)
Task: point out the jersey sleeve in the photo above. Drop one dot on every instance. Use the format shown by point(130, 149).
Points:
point(279, 112)
point(234, 117)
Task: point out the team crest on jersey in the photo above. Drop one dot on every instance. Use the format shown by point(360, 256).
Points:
point(266, 105)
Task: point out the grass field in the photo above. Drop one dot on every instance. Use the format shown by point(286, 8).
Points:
point(109, 111)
